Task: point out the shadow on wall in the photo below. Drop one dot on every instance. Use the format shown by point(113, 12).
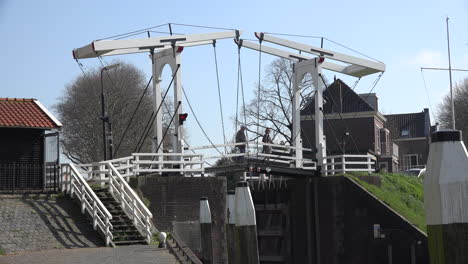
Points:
point(62, 216)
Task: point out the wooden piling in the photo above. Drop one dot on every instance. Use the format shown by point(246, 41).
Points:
point(205, 228)
point(230, 225)
point(245, 226)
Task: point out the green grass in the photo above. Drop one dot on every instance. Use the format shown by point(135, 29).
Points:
point(2, 252)
point(402, 193)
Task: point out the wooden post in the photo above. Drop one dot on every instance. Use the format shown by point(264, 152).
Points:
point(205, 228)
point(445, 198)
point(230, 226)
point(246, 226)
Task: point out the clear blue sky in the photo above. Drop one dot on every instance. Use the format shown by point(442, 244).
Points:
point(38, 38)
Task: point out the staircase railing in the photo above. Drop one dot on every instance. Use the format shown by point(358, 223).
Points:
point(129, 201)
point(74, 184)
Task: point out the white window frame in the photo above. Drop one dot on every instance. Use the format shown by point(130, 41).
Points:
point(407, 158)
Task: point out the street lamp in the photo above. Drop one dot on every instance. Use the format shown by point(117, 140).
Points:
point(104, 117)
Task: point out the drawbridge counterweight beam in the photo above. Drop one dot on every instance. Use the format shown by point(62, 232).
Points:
point(129, 46)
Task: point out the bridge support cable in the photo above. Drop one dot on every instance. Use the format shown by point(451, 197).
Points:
point(133, 116)
point(240, 83)
point(260, 39)
point(219, 94)
point(342, 119)
point(165, 132)
point(199, 124)
point(144, 134)
point(159, 107)
point(325, 118)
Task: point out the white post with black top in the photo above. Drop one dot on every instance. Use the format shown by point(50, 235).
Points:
point(446, 198)
point(205, 229)
point(246, 227)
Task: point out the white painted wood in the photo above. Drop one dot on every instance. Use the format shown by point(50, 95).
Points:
point(352, 70)
point(106, 45)
point(231, 208)
point(446, 183)
point(371, 66)
point(49, 114)
point(130, 46)
point(205, 212)
point(78, 185)
point(245, 210)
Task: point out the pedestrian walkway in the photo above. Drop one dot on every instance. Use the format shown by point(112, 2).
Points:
point(141, 254)
point(34, 222)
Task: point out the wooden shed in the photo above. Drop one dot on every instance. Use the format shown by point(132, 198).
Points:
point(29, 145)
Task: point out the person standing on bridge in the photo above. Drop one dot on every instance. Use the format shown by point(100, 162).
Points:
point(267, 139)
point(240, 137)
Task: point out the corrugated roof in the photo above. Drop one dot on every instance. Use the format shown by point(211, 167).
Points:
point(27, 113)
point(339, 98)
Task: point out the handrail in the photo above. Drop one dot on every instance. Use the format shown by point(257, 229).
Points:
point(284, 146)
point(139, 211)
point(186, 252)
point(87, 196)
point(341, 161)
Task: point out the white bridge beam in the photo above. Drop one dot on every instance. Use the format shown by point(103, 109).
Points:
point(128, 46)
point(366, 66)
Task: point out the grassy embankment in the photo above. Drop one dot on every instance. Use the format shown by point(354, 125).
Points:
point(402, 193)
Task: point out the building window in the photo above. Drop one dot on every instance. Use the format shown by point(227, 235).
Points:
point(404, 132)
point(410, 161)
point(377, 139)
point(383, 165)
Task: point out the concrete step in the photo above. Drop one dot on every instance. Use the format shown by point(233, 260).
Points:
point(130, 242)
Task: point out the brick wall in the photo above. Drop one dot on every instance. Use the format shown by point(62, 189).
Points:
point(177, 199)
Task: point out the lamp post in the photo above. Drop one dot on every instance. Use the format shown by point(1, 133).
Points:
point(103, 117)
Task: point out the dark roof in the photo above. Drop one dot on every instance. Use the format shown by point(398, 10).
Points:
point(26, 113)
point(339, 98)
point(417, 124)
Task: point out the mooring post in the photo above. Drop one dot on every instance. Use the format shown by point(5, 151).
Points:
point(246, 227)
point(446, 198)
point(205, 228)
point(230, 225)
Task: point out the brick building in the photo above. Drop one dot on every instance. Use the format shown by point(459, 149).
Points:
point(354, 125)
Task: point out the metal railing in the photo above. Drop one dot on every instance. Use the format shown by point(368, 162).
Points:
point(341, 164)
point(74, 184)
point(17, 176)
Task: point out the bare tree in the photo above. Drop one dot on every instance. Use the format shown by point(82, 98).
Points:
point(444, 112)
point(272, 105)
point(79, 109)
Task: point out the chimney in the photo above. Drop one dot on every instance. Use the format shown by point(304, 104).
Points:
point(371, 99)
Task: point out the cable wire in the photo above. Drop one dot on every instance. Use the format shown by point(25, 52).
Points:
point(427, 93)
point(133, 115)
point(160, 105)
point(219, 94)
point(199, 124)
point(341, 117)
point(132, 32)
point(258, 90)
point(199, 26)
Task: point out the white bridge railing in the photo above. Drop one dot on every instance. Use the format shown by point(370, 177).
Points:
point(279, 153)
point(129, 201)
point(115, 175)
point(74, 184)
point(341, 164)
